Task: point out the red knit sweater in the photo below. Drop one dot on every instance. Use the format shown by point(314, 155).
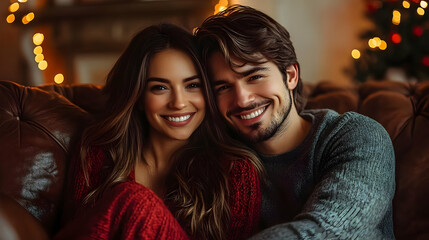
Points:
point(131, 211)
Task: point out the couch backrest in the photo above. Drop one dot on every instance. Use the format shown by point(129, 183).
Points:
point(38, 132)
point(40, 125)
point(403, 110)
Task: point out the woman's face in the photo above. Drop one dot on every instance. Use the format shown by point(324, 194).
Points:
point(173, 99)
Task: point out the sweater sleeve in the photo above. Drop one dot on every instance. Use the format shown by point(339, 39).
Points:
point(245, 199)
point(354, 187)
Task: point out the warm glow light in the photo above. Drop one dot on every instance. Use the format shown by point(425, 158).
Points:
point(14, 7)
point(38, 50)
point(372, 43)
point(223, 2)
point(355, 54)
point(396, 18)
point(406, 4)
point(425, 61)
point(396, 38)
point(43, 65)
point(29, 17)
point(24, 20)
point(39, 57)
point(420, 11)
point(22, 1)
point(377, 41)
point(10, 18)
point(423, 4)
point(383, 45)
point(38, 38)
point(59, 78)
point(222, 5)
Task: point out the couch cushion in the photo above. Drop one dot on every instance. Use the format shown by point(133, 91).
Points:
point(403, 109)
point(37, 132)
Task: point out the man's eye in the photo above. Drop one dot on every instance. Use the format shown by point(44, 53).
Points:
point(222, 88)
point(255, 77)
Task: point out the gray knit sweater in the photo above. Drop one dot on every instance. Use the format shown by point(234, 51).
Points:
point(338, 184)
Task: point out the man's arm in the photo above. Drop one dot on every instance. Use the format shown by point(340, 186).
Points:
point(353, 196)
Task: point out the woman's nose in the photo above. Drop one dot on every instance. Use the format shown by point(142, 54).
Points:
point(178, 100)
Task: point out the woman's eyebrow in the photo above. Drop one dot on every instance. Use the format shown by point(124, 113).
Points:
point(155, 79)
point(192, 78)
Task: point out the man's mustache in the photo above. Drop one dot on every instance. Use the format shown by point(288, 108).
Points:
point(254, 105)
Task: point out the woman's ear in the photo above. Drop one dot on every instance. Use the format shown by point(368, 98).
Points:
point(292, 75)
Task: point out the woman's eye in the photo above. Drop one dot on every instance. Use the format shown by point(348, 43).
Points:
point(158, 88)
point(194, 85)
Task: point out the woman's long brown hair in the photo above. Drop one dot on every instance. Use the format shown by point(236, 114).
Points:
point(198, 187)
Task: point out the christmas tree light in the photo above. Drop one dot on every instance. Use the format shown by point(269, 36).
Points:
point(402, 30)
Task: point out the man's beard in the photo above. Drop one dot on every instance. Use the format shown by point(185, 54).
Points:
point(276, 126)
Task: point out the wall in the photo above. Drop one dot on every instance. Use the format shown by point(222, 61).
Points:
point(323, 33)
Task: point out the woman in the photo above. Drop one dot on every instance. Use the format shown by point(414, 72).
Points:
point(162, 139)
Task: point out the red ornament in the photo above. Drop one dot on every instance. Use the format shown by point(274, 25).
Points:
point(425, 61)
point(418, 31)
point(396, 38)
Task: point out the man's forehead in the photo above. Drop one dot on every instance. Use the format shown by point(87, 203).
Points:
point(239, 64)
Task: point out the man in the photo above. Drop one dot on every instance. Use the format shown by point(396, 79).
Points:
point(329, 176)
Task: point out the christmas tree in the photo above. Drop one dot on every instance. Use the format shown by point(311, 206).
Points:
point(398, 40)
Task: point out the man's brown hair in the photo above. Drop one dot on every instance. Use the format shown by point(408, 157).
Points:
point(246, 33)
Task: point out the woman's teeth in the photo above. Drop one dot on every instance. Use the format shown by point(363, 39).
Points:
point(178, 119)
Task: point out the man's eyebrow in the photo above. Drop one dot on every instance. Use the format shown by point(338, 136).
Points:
point(219, 82)
point(253, 70)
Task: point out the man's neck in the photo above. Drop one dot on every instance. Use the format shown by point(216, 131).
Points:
point(290, 135)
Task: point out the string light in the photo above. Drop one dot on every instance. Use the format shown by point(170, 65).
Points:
point(222, 5)
point(383, 45)
point(43, 65)
point(59, 78)
point(396, 18)
point(420, 11)
point(10, 18)
point(423, 4)
point(28, 18)
point(38, 38)
point(39, 57)
point(14, 7)
point(372, 43)
point(396, 38)
point(355, 54)
point(38, 50)
point(406, 4)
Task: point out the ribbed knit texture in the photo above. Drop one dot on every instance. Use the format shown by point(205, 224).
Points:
point(132, 211)
point(338, 184)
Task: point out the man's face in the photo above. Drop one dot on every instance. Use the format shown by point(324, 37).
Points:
point(253, 99)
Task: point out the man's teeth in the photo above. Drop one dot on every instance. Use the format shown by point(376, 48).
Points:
point(253, 114)
point(179, 119)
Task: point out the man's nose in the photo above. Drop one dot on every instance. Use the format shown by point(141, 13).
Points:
point(178, 100)
point(244, 96)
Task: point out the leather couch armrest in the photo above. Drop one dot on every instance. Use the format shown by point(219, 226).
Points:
point(17, 223)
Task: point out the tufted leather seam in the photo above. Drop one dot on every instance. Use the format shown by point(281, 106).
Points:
point(47, 132)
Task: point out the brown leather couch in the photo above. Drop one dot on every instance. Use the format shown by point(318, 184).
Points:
point(39, 127)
